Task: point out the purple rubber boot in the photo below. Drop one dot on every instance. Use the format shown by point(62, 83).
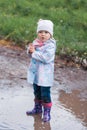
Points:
point(46, 115)
point(36, 110)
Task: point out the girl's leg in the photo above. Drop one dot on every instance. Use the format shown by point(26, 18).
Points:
point(47, 103)
point(37, 92)
point(37, 101)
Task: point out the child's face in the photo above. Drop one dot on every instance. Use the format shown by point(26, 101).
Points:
point(44, 35)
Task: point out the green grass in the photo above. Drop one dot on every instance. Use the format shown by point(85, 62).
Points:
point(18, 21)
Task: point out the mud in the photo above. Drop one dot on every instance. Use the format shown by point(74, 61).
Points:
point(69, 95)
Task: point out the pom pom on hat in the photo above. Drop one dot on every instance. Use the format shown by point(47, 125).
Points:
point(45, 25)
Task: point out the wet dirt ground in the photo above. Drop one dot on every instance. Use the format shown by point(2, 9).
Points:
point(69, 95)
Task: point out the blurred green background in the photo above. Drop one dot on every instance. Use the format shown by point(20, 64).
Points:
point(18, 22)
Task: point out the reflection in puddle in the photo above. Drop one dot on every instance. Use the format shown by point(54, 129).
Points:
point(39, 125)
point(73, 102)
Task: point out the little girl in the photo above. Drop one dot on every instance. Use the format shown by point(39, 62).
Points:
point(41, 68)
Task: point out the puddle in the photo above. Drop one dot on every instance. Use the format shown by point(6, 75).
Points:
point(15, 101)
point(73, 102)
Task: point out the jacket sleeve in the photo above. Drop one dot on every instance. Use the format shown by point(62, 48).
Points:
point(45, 56)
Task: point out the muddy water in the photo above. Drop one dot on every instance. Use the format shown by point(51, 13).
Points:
point(69, 95)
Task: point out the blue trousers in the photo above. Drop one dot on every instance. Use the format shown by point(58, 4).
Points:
point(42, 93)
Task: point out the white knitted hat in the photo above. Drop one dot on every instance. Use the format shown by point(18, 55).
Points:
point(45, 25)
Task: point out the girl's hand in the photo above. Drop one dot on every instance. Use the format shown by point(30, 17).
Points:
point(31, 48)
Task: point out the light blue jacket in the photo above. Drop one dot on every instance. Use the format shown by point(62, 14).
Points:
point(41, 67)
